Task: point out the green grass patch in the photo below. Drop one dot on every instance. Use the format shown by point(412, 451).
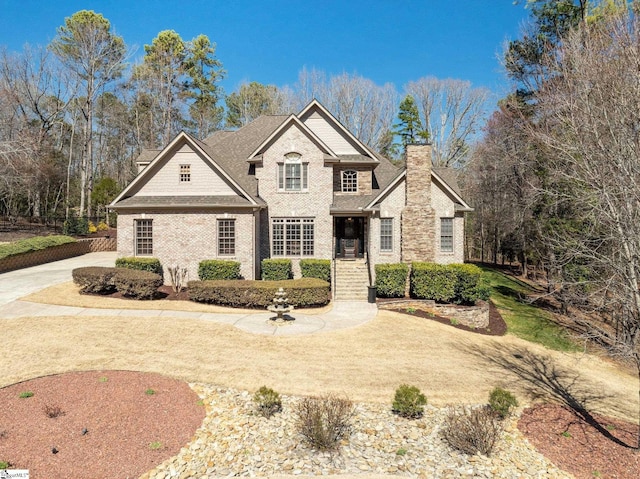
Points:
point(33, 244)
point(525, 320)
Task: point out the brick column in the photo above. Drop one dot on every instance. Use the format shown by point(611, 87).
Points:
point(418, 217)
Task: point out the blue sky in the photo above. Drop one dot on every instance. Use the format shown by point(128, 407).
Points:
point(270, 41)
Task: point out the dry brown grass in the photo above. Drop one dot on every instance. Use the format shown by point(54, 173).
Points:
point(366, 363)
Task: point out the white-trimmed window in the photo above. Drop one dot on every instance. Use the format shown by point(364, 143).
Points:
point(144, 237)
point(446, 235)
point(185, 173)
point(349, 181)
point(226, 237)
point(386, 234)
point(293, 174)
point(292, 237)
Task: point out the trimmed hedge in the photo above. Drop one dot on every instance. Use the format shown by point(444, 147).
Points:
point(137, 284)
point(391, 280)
point(212, 269)
point(453, 283)
point(95, 279)
point(130, 282)
point(433, 281)
point(259, 294)
point(276, 269)
point(470, 285)
point(316, 268)
point(151, 265)
point(33, 244)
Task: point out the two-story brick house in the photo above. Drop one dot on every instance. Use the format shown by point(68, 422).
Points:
point(298, 186)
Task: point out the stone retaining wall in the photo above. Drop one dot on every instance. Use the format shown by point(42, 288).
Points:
point(56, 253)
point(473, 316)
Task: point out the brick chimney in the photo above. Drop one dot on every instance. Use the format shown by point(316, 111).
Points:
point(418, 224)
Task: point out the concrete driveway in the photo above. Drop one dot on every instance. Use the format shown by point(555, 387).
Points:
point(19, 283)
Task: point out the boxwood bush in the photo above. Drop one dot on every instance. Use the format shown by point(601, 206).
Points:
point(33, 244)
point(211, 269)
point(453, 283)
point(143, 264)
point(276, 269)
point(391, 279)
point(433, 281)
point(470, 284)
point(137, 284)
point(95, 279)
point(130, 282)
point(316, 268)
point(259, 294)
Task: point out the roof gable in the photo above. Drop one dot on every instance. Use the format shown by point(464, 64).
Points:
point(219, 183)
point(291, 121)
point(324, 125)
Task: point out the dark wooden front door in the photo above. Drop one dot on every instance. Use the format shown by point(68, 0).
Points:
point(349, 233)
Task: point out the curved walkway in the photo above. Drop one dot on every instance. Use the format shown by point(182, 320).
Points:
point(17, 284)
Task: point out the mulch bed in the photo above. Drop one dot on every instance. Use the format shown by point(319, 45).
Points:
point(496, 327)
point(604, 448)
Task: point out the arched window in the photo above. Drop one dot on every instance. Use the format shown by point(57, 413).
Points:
point(293, 174)
point(349, 181)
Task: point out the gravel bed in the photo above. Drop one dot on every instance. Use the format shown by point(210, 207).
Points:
point(235, 441)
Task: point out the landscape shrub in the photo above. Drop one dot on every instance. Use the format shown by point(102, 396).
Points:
point(471, 285)
point(409, 401)
point(316, 268)
point(136, 283)
point(502, 402)
point(151, 265)
point(94, 279)
point(33, 244)
point(259, 294)
point(267, 402)
point(276, 269)
point(324, 421)
point(177, 276)
point(212, 269)
point(102, 226)
point(75, 226)
point(472, 430)
point(91, 228)
point(391, 280)
point(433, 281)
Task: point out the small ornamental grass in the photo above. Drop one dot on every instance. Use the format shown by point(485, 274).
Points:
point(324, 421)
point(409, 402)
point(267, 402)
point(502, 402)
point(472, 430)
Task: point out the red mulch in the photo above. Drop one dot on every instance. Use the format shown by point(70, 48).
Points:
point(496, 327)
point(604, 449)
point(110, 423)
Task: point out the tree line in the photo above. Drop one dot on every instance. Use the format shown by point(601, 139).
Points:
point(76, 113)
point(555, 180)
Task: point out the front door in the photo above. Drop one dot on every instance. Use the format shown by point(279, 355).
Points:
point(349, 233)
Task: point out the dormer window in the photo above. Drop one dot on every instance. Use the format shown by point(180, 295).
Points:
point(293, 174)
point(185, 173)
point(349, 181)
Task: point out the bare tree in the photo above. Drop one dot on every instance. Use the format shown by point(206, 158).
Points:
point(366, 109)
point(452, 111)
point(588, 125)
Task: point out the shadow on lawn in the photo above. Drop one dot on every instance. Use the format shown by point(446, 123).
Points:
point(545, 379)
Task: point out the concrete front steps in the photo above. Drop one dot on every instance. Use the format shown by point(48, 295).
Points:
point(351, 280)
